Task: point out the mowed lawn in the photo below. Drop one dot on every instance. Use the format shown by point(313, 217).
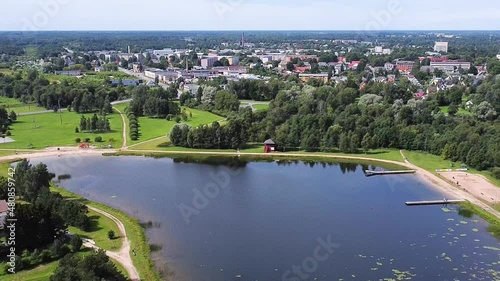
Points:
point(11, 104)
point(432, 163)
point(44, 130)
point(461, 111)
point(261, 106)
point(150, 128)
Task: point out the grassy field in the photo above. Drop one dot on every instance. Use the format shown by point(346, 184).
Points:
point(100, 225)
point(43, 272)
point(17, 106)
point(135, 232)
point(432, 162)
point(461, 111)
point(154, 128)
point(6, 71)
point(261, 106)
point(39, 273)
point(45, 129)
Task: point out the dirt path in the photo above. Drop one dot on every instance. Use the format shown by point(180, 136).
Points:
point(124, 144)
point(123, 255)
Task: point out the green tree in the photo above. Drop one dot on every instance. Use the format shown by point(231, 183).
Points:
point(76, 243)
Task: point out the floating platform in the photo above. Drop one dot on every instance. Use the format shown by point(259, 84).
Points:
point(369, 173)
point(433, 202)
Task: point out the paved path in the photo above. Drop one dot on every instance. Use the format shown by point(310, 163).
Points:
point(123, 255)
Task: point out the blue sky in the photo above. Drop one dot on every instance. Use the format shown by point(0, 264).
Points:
point(249, 15)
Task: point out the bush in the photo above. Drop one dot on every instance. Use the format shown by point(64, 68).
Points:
point(77, 130)
point(98, 139)
point(111, 234)
point(87, 139)
point(169, 117)
point(76, 243)
point(45, 255)
point(133, 137)
point(496, 173)
point(177, 119)
point(8, 134)
point(78, 140)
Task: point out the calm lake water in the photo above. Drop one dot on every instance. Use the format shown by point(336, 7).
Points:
point(270, 221)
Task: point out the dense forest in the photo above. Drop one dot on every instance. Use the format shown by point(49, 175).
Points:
point(344, 118)
point(42, 218)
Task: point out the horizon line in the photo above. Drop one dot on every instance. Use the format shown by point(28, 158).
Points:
point(250, 30)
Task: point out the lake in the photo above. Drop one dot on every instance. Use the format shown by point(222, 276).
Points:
point(287, 220)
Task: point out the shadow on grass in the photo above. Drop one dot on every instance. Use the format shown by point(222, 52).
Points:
point(94, 224)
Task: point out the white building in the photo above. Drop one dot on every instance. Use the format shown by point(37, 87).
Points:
point(389, 66)
point(451, 66)
point(208, 61)
point(441, 47)
point(152, 72)
point(166, 52)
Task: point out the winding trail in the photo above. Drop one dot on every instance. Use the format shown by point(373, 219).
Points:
point(123, 255)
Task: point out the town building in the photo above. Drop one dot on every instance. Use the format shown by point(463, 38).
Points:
point(450, 66)
point(306, 77)
point(208, 61)
point(389, 66)
point(69, 72)
point(441, 47)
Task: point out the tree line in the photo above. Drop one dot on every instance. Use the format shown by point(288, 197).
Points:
point(43, 217)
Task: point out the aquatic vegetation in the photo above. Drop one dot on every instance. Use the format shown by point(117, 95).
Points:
point(402, 275)
point(491, 248)
point(475, 230)
point(446, 210)
point(450, 219)
point(463, 222)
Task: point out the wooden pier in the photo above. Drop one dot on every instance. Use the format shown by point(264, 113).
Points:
point(370, 173)
point(433, 202)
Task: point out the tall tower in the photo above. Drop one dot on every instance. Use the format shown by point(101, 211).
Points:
point(128, 50)
point(243, 40)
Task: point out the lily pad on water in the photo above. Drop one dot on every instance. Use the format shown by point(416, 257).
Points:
point(491, 248)
point(446, 210)
point(475, 230)
point(463, 222)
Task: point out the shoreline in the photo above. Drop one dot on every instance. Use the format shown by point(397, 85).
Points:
point(434, 181)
